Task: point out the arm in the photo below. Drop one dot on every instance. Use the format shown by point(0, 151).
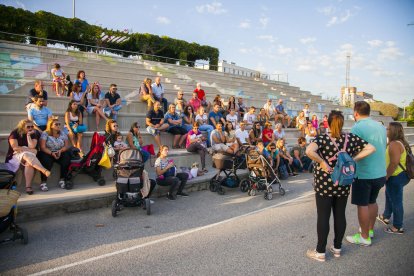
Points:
point(213, 121)
point(160, 171)
point(312, 153)
point(394, 151)
point(367, 150)
point(80, 118)
point(118, 101)
point(296, 154)
point(130, 141)
point(67, 123)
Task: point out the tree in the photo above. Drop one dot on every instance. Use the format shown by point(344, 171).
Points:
point(410, 110)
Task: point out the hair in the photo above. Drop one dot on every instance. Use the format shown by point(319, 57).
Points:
point(69, 109)
point(196, 124)
point(162, 147)
point(199, 110)
point(306, 105)
point(267, 124)
point(147, 80)
point(362, 108)
point(171, 105)
point(95, 84)
point(232, 103)
point(226, 128)
point(56, 65)
point(76, 87)
point(301, 113)
point(279, 142)
point(112, 85)
point(118, 134)
point(37, 82)
point(278, 125)
point(79, 73)
point(49, 124)
point(271, 144)
point(217, 100)
point(260, 141)
point(131, 129)
point(336, 123)
point(314, 116)
point(301, 140)
point(256, 132)
point(37, 97)
point(108, 125)
point(21, 126)
point(186, 112)
point(396, 133)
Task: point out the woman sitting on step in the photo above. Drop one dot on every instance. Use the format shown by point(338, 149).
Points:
point(134, 141)
point(74, 125)
point(196, 142)
point(96, 104)
point(54, 146)
point(23, 146)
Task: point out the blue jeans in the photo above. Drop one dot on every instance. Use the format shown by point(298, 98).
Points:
point(394, 198)
point(145, 155)
point(209, 129)
point(116, 108)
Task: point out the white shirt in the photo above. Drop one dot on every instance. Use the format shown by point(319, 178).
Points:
point(202, 118)
point(157, 90)
point(270, 108)
point(233, 120)
point(307, 112)
point(249, 118)
point(242, 135)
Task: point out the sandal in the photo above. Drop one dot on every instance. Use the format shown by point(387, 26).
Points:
point(29, 190)
point(390, 230)
point(383, 220)
point(204, 170)
point(62, 184)
point(43, 187)
point(176, 147)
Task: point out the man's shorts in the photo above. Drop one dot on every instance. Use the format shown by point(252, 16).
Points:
point(220, 147)
point(365, 191)
point(204, 103)
point(153, 131)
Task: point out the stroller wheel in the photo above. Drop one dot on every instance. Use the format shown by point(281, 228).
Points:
point(252, 192)
point(114, 175)
point(101, 181)
point(244, 185)
point(281, 191)
point(68, 185)
point(221, 191)
point(268, 195)
point(114, 208)
point(213, 185)
point(148, 206)
point(24, 236)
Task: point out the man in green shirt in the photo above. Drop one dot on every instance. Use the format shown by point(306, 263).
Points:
point(370, 171)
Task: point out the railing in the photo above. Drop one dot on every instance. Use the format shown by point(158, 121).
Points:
point(130, 54)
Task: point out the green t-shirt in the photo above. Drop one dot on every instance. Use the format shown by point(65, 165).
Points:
point(372, 166)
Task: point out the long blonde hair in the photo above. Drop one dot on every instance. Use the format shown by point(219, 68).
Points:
point(21, 126)
point(108, 125)
point(49, 125)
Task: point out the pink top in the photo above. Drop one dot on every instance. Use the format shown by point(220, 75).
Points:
point(191, 132)
point(315, 123)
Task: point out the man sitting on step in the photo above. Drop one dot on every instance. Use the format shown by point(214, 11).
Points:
point(158, 93)
point(113, 102)
point(39, 114)
point(155, 122)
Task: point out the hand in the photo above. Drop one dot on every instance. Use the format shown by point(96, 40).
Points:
point(55, 155)
point(325, 167)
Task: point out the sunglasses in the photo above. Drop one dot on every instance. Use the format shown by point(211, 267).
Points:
point(136, 126)
point(29, 126)
point(56, 124)
point(115, 125)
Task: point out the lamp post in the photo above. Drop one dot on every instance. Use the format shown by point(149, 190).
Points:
point(403, 102)
point(73, 9)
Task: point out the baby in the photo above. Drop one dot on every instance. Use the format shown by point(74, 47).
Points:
point(119, 143)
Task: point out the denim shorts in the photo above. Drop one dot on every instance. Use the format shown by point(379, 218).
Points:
point(365, 191)
point(153, 131)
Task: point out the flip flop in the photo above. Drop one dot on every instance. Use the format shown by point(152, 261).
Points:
point(389, 230)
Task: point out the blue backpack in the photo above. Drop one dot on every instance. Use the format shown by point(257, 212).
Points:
point(344, 171)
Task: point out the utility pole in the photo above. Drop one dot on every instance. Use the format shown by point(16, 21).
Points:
point(73, 9)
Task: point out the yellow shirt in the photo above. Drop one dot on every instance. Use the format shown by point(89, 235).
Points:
point(403, 157)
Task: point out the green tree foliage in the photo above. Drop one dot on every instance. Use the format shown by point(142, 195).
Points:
point(410, 110)
point(385, 109)
point(50, 26)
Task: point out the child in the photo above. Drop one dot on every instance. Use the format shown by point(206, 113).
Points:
point(59, 79)
point(325, 121)
point(232, 117)
point(119, 143)
point(315, 122)
point(307, 112)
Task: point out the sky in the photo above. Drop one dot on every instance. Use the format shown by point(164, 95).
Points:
point(306, 40)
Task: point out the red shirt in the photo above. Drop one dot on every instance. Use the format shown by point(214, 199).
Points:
point(268, 132)
point(195, 104)
point(200, 93)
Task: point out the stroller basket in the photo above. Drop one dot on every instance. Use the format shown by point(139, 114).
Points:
point(222, 161)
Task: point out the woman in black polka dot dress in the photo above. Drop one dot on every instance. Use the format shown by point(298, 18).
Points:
point(329, 196)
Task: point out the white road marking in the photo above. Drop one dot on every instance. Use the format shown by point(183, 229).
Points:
point(128, 249)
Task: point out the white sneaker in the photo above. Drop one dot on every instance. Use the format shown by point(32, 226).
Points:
point(62, 184)
point(336, 252)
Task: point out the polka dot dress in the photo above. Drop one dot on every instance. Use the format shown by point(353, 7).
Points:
point(323, 184)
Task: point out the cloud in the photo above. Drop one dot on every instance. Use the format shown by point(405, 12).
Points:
point(328, 10)
point(213, 8)
point(163, 20)
point(304, 67)
point(390, 53)
point(390, 43)
point(244, 50)
point(340, 19)
point(375, 43)
point(245, 24)
point(20, 5)
point(269, 38)
point(264, 21)
point(411, 60)
point(307, 40)
point(284, 50)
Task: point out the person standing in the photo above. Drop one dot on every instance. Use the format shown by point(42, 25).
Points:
point(330, 197)
point(202, 96)
point(370, 172)
point(397, 178)
point(158, 93)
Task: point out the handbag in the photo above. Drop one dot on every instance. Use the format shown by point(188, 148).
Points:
point(105, 161)
point(110, 151)
point(149, 148)
point(170, 172)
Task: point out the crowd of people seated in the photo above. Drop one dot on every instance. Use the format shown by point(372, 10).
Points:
point(197, 125)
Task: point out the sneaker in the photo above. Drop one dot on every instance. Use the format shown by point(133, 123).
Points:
point(107, 113)
point(383, 220)
point(335, 252)
point(358, 239)
point(171, 197)
point(43, 187)
point(370, 232)
point(182, 194)
point(62, 184)
point(152, 201)
point(320, 257)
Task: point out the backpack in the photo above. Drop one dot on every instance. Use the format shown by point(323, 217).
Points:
point(409, 163)
point(344, 171)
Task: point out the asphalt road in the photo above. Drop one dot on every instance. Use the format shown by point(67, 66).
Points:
point(206, 234)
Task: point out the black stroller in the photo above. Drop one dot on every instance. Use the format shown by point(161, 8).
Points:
point(130, 184)
point(227, 164)
point(8, 207)
point(261, 176)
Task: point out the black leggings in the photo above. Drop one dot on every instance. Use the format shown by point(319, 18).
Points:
point(48, 160)
point(176, 183)
point(197, 147)
point(324, 205)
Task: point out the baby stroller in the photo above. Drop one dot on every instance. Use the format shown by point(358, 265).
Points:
point(130, 182)
point(227, 164)
point(8, 208)
point(261, 176)
point(89, 163)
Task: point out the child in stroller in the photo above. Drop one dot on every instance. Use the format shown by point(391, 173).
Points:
point(261, 174)
point(89, 163)
point(133, 187)
point(8, 208)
